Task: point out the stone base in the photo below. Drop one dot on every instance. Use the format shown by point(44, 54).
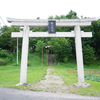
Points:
point(22, 84)
point(81, 84)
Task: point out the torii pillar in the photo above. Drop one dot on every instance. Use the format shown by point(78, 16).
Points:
point(23, 73)
point(79, 57)
point(76, 23)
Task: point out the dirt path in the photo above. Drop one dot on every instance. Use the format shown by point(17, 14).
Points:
point(51, 83)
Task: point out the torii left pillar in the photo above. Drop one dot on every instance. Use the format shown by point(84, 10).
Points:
point(23, 72)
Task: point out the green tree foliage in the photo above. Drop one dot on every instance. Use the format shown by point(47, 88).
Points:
point(50, 17)
point(4, 29)
point(3, 53)
point(61, 47)
point(5, 38)
point(33, 42)
point(88, 54)
point(2, 62)
point(96, 36)
point(98, 22)
point(10, 57)
point(40, 44)
point(71, 15)
point(6, 42)
point(9, 44)
point(39, 29)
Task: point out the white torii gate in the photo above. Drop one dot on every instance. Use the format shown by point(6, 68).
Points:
point(26, 33)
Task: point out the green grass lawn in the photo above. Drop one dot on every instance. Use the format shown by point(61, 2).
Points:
point(10, 75)
point(70, 77)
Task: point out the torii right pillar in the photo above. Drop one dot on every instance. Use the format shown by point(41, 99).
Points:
point(79, 58)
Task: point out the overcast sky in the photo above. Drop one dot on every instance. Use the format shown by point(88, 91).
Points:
point(31, 9)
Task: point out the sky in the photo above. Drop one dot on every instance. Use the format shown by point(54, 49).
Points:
point(31, 9)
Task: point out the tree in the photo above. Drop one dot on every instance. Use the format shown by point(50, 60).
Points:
point(96, 36)
point(6, 42)
point(71, 15)
point(40, 44)
point(61, 47)
point(33, 42)
point(88, 54)
point(98, 22)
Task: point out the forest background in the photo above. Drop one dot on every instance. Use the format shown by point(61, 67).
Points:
point(64, 48)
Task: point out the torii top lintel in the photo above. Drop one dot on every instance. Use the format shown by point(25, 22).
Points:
point(44, 23)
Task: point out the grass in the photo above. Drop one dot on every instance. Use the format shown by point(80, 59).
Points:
point(10, 75)
point(69, 75)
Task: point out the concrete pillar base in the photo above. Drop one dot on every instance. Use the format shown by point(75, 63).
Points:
point(81, 84)
point(22, 84)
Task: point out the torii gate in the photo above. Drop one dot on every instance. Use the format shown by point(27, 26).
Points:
point(26, 33)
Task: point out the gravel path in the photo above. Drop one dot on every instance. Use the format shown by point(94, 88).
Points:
point(51, 83)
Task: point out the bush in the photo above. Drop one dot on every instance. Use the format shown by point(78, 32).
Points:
point(40, 44)
point(92, 77)
point(61, 47)
point(10, 57)
point(3, 53)
point(2, 62)
point(65, 59)
point(28, 63)
point(88, 54)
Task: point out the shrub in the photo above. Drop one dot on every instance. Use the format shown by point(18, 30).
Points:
point(88, 54)
point(10, 57)
point(2, 62)
point(65, 59)
point(61, 47)
point(3, 53)
point(92, 77)
point(40, 44)
point(28, 63)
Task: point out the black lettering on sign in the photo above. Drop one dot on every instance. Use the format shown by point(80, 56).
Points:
point(52, 26)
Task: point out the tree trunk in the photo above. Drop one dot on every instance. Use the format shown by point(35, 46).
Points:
point(14, 51)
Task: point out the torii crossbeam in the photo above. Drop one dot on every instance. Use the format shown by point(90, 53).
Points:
point(76, 23)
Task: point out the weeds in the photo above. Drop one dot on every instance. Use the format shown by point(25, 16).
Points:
point(92, 77)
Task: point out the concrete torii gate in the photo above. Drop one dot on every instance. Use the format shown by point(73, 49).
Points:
point(26, 33)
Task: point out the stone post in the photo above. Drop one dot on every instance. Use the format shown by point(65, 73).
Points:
point(23, 73)
point(79, 57)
